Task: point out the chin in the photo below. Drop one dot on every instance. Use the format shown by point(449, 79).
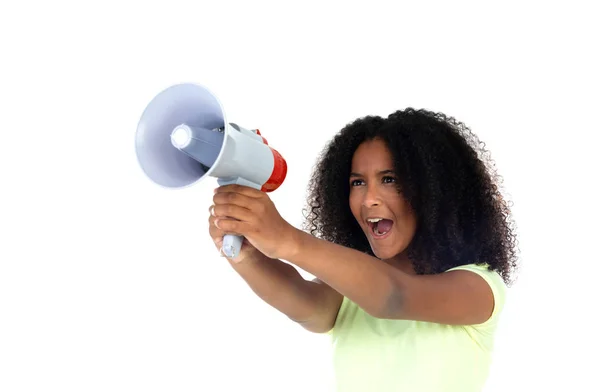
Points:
point(384, 251)
point(384, 254)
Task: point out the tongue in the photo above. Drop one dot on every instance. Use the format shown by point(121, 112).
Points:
point(384, 225)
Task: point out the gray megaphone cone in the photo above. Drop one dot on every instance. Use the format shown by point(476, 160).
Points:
point(182, 104)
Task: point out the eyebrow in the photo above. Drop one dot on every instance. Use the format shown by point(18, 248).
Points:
point(380, 173)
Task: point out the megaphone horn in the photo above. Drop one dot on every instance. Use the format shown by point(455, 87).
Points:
point(183, 137)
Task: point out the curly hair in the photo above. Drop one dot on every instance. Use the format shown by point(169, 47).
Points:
point(445, 174)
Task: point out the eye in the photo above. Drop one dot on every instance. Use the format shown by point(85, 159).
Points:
point(356, 182)
point(388, 180)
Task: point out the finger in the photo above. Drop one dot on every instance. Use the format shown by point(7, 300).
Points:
point(242, 189)
point(239, 199)
point(232, 226)
point(216, 229)
point(214, 232)
point(211, 221)
point(218, 237)
point(234, 212)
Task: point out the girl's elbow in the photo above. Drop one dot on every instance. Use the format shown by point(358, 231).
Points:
point(390, 304)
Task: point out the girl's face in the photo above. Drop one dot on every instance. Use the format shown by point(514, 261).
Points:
point(384, 215)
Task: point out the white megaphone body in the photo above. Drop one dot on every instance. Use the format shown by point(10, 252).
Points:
point(183, 137)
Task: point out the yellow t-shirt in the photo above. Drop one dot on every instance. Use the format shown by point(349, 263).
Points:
point(380, 355)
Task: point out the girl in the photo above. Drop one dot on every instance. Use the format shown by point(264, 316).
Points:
point(411, 244)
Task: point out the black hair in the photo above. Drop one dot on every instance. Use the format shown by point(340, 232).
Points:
point(446, 175)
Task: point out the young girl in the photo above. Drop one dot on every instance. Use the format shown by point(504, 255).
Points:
point(411, 245)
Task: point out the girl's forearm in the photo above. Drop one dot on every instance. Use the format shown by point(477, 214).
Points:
point(369, 282)
point(281, 286)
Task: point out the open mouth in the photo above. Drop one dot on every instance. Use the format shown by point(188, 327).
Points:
point(380, 226)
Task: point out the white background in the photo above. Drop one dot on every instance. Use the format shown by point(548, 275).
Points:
point(108, 282)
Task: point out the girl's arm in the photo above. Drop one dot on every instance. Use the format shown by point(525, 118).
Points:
point(312, 304)
point(383, 291)
point(457, 297)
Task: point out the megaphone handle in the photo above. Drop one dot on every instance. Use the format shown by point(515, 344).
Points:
point(232, 244)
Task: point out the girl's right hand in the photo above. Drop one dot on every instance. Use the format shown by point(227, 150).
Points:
point(217, 235)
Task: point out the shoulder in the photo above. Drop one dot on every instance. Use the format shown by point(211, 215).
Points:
point(464, 295)
point(493, 281)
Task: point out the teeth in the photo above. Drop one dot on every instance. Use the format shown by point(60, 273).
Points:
point(374, 220)
point(379, 233)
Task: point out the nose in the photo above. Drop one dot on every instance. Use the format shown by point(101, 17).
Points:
point(371, 197)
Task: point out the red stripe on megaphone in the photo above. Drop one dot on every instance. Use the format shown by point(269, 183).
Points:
point(278, 174)
point(263, 138)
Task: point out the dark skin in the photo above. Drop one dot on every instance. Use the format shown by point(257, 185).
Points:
point(384, 286)
point(373, 194)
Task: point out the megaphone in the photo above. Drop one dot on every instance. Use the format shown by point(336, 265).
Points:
point(183, 137)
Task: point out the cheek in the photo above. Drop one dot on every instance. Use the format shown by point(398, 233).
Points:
point(355, 206)
point(404, 214)
point(409, 223)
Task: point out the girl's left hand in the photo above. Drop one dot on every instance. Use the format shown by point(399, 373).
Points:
point(250, 212)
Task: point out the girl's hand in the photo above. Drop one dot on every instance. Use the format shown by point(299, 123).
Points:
point(250, 212)
point(217, 235)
